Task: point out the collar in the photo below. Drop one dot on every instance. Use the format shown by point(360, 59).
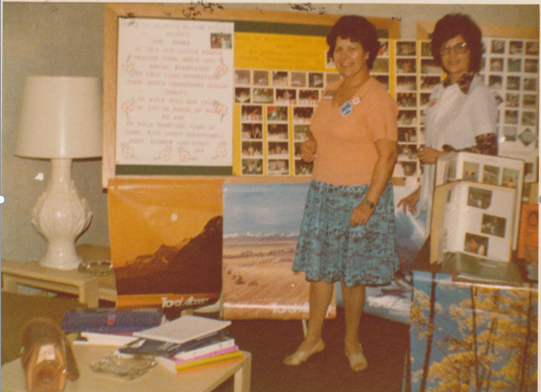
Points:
point(463, 83)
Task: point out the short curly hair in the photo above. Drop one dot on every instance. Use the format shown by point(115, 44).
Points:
point(357, 29)
point(452, 25)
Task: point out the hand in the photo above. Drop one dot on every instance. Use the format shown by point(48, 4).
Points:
point(360, 215)
point(410, 202)
point(308, 150)
point(429, 155)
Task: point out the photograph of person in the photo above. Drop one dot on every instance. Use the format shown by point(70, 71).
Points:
point(480, 198)
point(470, 172)
point(353, 177)
point(476, 244)
point(493, 225)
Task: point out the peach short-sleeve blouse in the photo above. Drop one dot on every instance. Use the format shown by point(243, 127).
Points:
point(346, 153)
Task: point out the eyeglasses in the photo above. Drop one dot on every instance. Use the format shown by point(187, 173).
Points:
point(460, 48)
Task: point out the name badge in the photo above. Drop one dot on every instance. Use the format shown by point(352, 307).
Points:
point(346, 109)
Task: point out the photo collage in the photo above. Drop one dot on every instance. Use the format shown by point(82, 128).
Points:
point(510, 68)
point(274, 105)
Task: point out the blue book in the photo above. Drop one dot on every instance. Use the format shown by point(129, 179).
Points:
point(111, 320)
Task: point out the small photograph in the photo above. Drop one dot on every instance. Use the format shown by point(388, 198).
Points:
point(511, 117)
point(261, 78)
point(476, 244)
point(470, 171)
point(315, 80)
point(529, 118)
point(498, 46)
point(406, 100)
point(278, 167)
point(383, 48)
point(495, 82)
point(405, 66)
point(410, 168)
point(516, 47)
point(450, 172)
point(242, 77)
point(286, 96)
point(424, 99)
point(491, 175)
point(510, 134)
point(426, 49)
point(301, 132)
point(220, 41)
point(479, 198)
point(252, 167)
point(407, 118)
point(252, 113)
point(512, 100)
point(278, 150)
point(527, 137)
point(429, 82)
point(383, 80)
point(407, 135)
point(303, 168)
point(298, 79)
point(529, 101)
point(252, 149)
point(331, 77)
point(381, 66)
point(302, 115)
point(531, 65)
point(242, 95)
point(279, 78)
point(496, 65)
point(263, 95)
point(513, 83)
point(406, 83)
point(493, 225)
point(514, 65)
point(308, 97)
point(329, 61)
point(429, 67)
point(530, 84)
point(405, 48)
point(277, 113)
point(532, 48)
point(252, 131)
point(510, 178)
point(407, 152)
point(277, 131)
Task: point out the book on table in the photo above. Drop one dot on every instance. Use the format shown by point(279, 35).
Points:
point(224, 356)
point(111, 320)
point(104, 339)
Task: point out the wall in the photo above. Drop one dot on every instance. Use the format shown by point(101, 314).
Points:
point(67, 39)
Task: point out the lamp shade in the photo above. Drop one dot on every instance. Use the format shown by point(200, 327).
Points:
point(60, 118)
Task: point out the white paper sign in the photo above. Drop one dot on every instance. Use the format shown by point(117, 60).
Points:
point(174, 93)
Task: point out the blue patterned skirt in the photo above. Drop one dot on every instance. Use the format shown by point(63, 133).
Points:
point(330, 250)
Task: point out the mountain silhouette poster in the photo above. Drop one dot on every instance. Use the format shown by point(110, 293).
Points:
point(261, 227)
point(166, 241)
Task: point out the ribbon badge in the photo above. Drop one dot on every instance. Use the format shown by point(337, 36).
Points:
point(346, 109)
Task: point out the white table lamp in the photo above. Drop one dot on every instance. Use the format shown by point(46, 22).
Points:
point(60, 120)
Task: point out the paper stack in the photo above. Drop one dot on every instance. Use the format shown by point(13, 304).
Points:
point(189, 342)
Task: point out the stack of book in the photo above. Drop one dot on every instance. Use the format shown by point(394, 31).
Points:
point(189, 342)
point(108, 326)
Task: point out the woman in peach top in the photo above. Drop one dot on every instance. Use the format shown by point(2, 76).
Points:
point(348, 231)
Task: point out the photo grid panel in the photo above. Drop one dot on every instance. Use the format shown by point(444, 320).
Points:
point(510, 68)
point(276, 110)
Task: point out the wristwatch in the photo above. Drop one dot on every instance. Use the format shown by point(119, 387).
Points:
point(369, 204)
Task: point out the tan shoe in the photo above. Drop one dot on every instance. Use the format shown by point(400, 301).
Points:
point(299, 356)
point(357, 361)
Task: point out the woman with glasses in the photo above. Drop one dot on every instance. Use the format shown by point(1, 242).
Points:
point(461, 113)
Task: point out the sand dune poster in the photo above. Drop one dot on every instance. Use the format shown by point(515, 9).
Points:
point(261, 226)
point(166, 241)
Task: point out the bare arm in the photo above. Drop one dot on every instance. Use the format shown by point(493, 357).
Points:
point(382, 173)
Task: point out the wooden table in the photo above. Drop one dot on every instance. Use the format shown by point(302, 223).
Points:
point(157, 379)
point(89, 288)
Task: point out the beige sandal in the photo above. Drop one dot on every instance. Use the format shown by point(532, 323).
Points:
point(357, 362)
point(299, 356)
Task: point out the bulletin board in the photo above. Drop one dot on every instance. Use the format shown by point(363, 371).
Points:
point(281, 57)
